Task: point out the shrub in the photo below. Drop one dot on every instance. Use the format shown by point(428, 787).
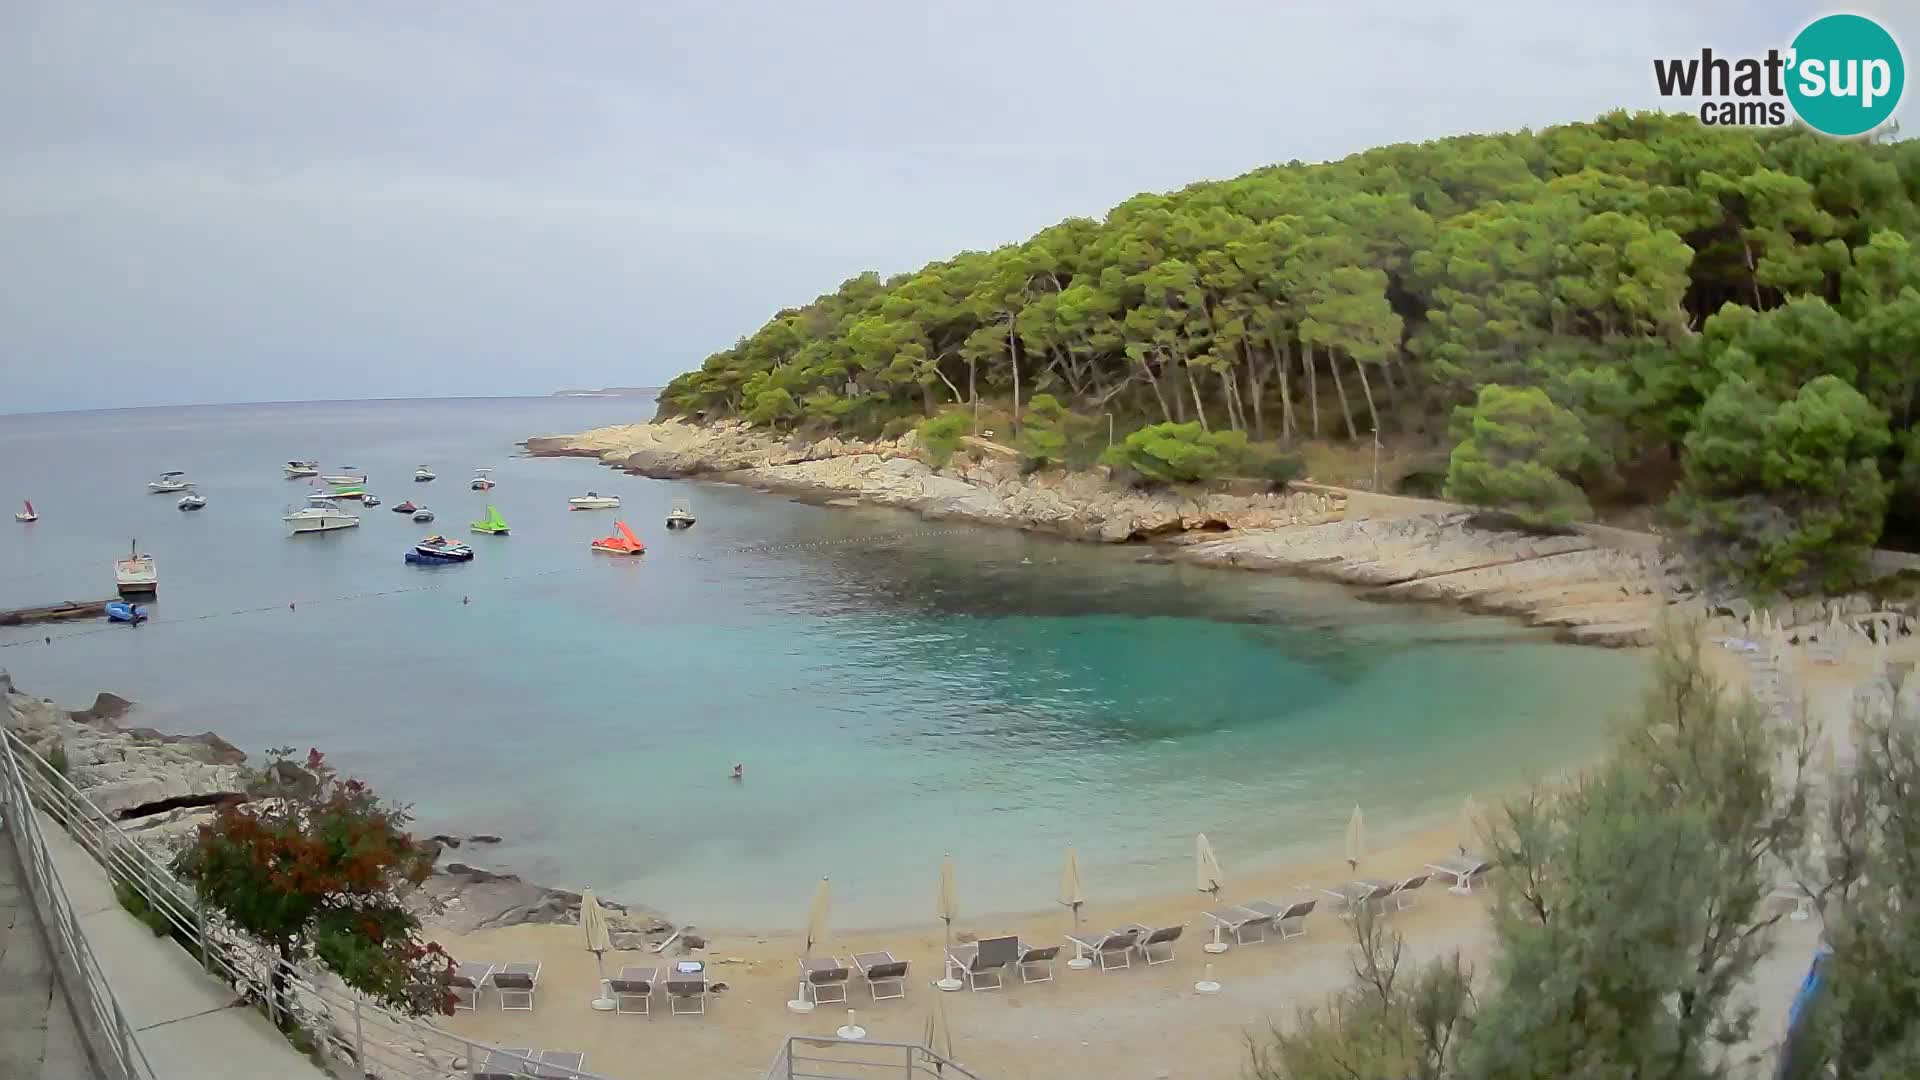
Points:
point(941, 435)
point(1179, 453)
point(772, 406)
point(1275, 466)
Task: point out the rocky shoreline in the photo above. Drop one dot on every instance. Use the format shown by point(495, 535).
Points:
point(1587, 591)
point(160, 788)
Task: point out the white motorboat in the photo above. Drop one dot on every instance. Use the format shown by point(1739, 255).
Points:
point(169, 483)
point(681, 516)
point(297, 469)
point(422, 474)
point(346, 475)
point(369, 500)
point(321, 514)
point(423, 514)
point(27, 514)
point(482, 479)
point(593, 500)
point(192, 502)
point(136, 573)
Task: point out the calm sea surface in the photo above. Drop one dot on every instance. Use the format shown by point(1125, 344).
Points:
point(895, 688)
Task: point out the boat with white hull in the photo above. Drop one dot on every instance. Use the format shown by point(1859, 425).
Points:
point(298, 469)
point(319, 515)
point(136, 574)
point(593, 500)
point(341, 479)
point(169, 483)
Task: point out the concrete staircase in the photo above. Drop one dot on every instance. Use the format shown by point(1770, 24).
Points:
point(37, 1037)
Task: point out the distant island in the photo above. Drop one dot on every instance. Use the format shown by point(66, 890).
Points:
point(613, 391)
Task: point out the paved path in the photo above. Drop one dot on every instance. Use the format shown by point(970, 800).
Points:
point(37, 1037)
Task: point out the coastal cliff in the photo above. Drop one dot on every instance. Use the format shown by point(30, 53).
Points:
point(1586, 590)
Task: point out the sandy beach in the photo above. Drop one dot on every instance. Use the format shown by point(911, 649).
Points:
point(1142, 1022)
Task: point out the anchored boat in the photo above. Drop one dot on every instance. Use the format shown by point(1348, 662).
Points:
point(321, 514)
point(169, 482)
point(347, 475)
point(121, 611)
point(423, 515)
point(493, 524)
point(351, 491)
point(439, 549)
point(422, 474)
point(681, 516)
point(27, 514)
point(593, 500)
point(405, 507)
point(622, 542)
point(136, 575)
point(297, 469)
point(482, 480)
point(192, 502)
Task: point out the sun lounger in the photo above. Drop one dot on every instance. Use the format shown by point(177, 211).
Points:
point(633, 990)
point(1354, 895)
point(688, 990)
point(1400, 893)
point(469, 979)
point(1030, 957)
point(983, 963)
point(1112, 946)
point(886, 977)
point(1295, 913)
point(1462, 869)
point(506, 1063)
point(1239, 922)
point(1151, 937)
point(560, 1065)
point(823, 979)
point(516, 983)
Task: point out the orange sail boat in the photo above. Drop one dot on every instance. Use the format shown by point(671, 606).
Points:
point(622, 542)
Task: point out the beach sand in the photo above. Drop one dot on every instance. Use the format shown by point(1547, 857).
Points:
point(1141, 1022)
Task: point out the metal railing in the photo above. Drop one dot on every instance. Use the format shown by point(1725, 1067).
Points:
point(327, 1019)
point(108, 1039)
point(809, 1057)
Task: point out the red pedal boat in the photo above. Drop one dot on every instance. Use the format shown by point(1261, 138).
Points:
point(622, 542)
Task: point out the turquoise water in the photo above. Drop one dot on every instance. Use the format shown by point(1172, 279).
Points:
point(895, 688)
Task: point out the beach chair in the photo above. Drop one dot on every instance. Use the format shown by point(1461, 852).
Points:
point(1030, 958)
point(1240, 922)
point(1399, 893)
point(506, 1063)
point(983, 962)
point(688, 990)
point(633, 990)
point(1294, 914)
point(823, 979)
point(1151, 937)
point(560, 1065)
point(882, 973)
point(516, 983)
point(469, 979)
point(1462, 869)
point(1114, 948)
point(1354, 895)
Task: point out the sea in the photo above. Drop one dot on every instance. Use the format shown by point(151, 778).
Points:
point(895, 689)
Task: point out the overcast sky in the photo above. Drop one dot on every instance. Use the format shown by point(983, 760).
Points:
point(260, 200)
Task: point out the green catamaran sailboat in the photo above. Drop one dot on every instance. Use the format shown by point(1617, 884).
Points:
point(493, 523)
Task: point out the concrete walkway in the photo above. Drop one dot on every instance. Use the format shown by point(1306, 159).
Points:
point(187, 1021)
point(37, 1038)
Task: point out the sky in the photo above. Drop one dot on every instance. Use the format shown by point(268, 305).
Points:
point(261, 200)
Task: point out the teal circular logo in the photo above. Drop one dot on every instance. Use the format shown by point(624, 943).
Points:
point(1846, 75)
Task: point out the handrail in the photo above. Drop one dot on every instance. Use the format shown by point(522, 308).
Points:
point(859, 1059)
point(342, 1025)
point(105, 1033)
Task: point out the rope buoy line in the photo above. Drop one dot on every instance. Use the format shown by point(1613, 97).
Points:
point(749, 549)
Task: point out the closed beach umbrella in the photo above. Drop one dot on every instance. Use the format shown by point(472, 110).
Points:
point(947, 906)
point(817, 915)
point(593, 927)
point(1468, 828)
point(1356, 839)
point(1206, 869)
point(1071, 893)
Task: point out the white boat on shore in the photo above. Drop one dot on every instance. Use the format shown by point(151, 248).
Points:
point(297, 469)
point(593, 500)
point(169, 482)
point(321, 514)
point(136, 575)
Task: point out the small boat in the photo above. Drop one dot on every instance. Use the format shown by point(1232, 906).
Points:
point(351, 491)
point(439, 549)
point(297, 469)
point(422, 474)
point(482, 479)
point(192, 502)
point(681, 516)
point(121, 611)
point(593, 500)
point(493, 524)
point(321, 514)
point(423, 515)
point(369, 500)
point(405, 507)
point(27, 514)
point(622, 542)
point(169, 482)
point(136, 573)
point(346, 475)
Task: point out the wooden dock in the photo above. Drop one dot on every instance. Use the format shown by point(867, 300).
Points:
point(68, 609)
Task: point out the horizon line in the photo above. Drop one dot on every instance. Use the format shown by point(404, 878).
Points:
point(331, 401)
